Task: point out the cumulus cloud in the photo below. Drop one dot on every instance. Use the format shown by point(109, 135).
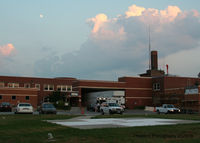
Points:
point(6, 59)
point(98, 22)
point(134, 11)
point(119, 46)
point(6, 50)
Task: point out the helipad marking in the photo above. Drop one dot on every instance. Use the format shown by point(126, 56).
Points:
point(97, 123)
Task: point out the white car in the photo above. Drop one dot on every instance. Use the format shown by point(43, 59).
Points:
point(167, 108)
point(24, 108)
point(111, 108)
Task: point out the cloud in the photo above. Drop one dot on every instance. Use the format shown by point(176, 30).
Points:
point(170, 13)
point(134, 11)
point(7, 50)
point(119, 46)
point(184, 62)
point(7, 62)
point(98, 22)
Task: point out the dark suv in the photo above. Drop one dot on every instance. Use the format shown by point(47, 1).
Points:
point(47, 108)
point(5, 107)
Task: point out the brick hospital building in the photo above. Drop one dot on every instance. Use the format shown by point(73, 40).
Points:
point(152, 88)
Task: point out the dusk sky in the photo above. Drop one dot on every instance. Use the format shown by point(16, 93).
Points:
point(98, 39)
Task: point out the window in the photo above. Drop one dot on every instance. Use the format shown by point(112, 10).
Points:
point(69, 88)
point(13, 97)
point(16, 85)
point(64, 88)
point(13, 85)
point(45, 87)
point(1, 84)
point(59, 87)
point(27, 97)
point(10, 85)
point(156, 86)
point(51, 87)
point(48, 87)
point(37, 86)
point(0, 97)
point(27, 85)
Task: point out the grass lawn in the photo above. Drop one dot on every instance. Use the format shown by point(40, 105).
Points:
point(32, 129)
point(164, 116)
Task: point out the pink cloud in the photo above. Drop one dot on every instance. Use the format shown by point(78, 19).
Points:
point(134, 11)
point(98, 21)
point(195, 13)
point(169, 14)
point(104, 28)
point(151, 15)
point(6, 50)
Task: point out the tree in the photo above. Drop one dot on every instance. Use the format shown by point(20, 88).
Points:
point(199, 75)
point(196, 83)
point(57, 96)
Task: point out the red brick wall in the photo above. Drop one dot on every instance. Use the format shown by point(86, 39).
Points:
point(137, 82)
point(20, 94)
point(132, 103)
point(41, 81)
point(99, 84)
point(20, 99)
point(138, 91)
point(178, 82)
point(173, 88)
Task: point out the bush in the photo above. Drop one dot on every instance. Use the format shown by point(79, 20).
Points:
point(61, 105)
point(139, 107)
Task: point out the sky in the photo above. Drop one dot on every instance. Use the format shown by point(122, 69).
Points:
point(98, 40)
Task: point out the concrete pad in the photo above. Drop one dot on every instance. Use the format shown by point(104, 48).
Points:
point(116, 122)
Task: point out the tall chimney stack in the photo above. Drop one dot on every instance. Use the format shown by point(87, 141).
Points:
point(154, 60)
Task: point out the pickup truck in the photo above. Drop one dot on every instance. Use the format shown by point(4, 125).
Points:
point(111, 108)
point(167, 108)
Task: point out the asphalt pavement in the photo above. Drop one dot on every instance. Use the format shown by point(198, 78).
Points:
point(83, 111)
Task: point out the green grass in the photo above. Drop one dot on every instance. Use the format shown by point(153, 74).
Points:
point(33, 129)
point(163, 116)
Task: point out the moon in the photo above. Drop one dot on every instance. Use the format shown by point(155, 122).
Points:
point(41, 15)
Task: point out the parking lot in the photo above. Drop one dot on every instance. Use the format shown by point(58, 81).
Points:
point(78, 111)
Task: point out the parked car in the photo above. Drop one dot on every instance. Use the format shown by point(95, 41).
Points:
point(47, 108)
point(111, 108)
point(24, 108)
point(167, 108)
point(5, 107)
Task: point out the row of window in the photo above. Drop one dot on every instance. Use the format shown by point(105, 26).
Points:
point(50, 87)
point(16, 85)
point(46, 87)
point(14, 97)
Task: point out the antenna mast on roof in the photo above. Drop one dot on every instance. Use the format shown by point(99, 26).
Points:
point(149, 49)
